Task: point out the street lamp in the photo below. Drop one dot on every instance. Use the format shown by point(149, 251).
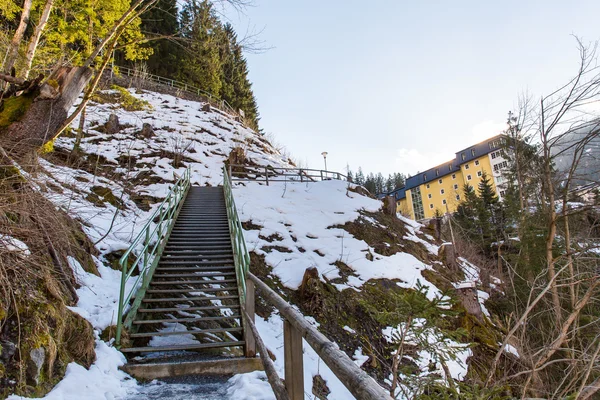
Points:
point(324, 154)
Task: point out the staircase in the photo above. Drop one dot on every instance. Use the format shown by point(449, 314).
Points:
point(192, 302)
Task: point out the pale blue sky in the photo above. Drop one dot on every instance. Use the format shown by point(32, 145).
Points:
point(397, 86)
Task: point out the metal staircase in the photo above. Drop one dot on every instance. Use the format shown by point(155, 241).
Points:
point(193, 290)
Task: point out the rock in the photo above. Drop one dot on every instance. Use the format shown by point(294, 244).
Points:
point(7, 351)
point(112, 125)
point(147, 131)
point(206, 107)
point(36, 362)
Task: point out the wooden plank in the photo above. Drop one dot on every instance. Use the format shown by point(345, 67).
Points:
point(293, 361)
point(357, 381)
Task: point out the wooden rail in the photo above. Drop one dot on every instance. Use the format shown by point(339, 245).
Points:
point(296, 327)
point(268, 174)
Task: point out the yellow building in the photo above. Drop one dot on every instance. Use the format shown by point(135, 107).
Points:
point(440, 189)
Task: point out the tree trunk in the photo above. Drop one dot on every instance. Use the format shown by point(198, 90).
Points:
point(13, 48)
point(35, 38)
point(46, 114)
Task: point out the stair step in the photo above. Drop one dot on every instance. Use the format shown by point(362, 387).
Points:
point(182, 347)
point(220, 262)
point(186, 309)
point(182, 299)
point(198, 319)
point(192, 332)
point(190, 290)
point(206, 282)
point(199, 257)
point(199, 253)
point(198, 275)
point(198, 269)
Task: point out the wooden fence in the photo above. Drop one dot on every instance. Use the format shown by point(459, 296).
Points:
point(268, 174)
point(296, 328)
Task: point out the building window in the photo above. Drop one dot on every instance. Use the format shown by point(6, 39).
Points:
point(479, 173)
point(442, 191)
point(457, 197)
point(494, 155)
point(424, 177)
point(468, 177)
point(450, 167)
point(473, 152)
point(476, 162)
point(455, 186)
point(466, 166)
point(453, 176)
point(463, 156)
point(428, 186)
point(429, 196)
point(437, 172)
point(439, 181)
point(444, 201)
point(431, 206)
point(502, 193)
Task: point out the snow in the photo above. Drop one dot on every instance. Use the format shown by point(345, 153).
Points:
point(12, 244)
point(98, 295)
point(348, 329)
point(103, 381)
point(305, 216)
point(511, 349)
point(359, 358)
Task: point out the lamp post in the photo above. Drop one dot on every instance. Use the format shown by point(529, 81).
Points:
point(324, 154)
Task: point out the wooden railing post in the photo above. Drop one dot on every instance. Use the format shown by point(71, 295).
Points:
point(267, 176)
point(248, 336)
point(301, 177)
point(321, 174)
point(230, 176)
point(293, 361)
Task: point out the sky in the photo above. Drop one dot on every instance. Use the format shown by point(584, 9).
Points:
point(398, 86)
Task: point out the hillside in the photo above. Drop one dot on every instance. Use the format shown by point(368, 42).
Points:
point(371, 270)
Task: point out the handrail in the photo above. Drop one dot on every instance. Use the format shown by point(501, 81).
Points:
point(241, 258)
point(221, 104)
point(357, 381)
point(281, 174)
point(153, 236)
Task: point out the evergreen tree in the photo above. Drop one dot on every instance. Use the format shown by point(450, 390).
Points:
point(162, 20)
point(360, 177)
point(236, 88)
point(202, 65)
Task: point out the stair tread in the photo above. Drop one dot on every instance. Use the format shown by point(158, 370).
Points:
point(184, 299)
point(182, 347)
point(206, 282)
point(198, 275)
point(189, 290)
point(191, 332)
point(198, 319)
point(186, 309)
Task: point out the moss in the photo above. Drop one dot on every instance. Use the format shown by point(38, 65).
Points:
point(48, 147)
point(129, 102)
point(54, 83)
point(107, 195)
point(13, 109)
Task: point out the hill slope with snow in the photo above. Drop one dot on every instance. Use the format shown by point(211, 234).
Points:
point(363, 259)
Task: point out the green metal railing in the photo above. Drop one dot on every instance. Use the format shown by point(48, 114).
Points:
point(153, 238)
point(241, 258)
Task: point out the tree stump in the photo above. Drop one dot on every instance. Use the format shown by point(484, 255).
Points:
point(112, 125)
point(43, 109)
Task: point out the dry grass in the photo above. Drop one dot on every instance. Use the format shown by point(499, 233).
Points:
point(35, 288)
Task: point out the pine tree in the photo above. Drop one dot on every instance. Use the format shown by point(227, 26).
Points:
point(162, 20)
point(202, 64)
point(360, 177)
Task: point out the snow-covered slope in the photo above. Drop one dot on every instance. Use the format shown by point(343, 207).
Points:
point(116, 184)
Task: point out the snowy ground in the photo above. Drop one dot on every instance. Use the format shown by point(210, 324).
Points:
point(302, 214)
